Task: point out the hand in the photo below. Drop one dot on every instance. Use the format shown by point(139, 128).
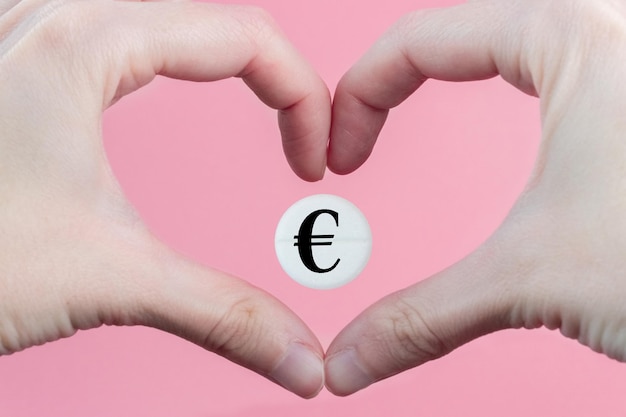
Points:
point(73, 253)
point(558, 259)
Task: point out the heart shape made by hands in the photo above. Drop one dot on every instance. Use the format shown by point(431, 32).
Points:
point(215, 194)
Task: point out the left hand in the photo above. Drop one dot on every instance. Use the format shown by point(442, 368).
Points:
point(558, 259)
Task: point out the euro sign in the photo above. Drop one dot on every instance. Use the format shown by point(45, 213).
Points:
point(305, 240)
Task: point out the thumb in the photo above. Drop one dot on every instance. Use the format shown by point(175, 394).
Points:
point(244, 324)
point(146, 283)
point(232, 318)
point(422, 323)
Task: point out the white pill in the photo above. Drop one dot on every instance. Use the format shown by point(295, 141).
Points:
point(323, 241)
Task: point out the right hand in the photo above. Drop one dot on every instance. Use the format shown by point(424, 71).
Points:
point(73, 252)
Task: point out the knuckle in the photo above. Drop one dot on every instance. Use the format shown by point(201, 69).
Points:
point(62, 23)
point(413, 339)
point(408, 27)
point(411, 21)
point(256, 22)
point(256, 15)
point(237, 330)
point(582, 20)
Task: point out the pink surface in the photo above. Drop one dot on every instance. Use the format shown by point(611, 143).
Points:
point(204, 166)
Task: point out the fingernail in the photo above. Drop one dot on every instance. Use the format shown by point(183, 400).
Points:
point(300, 371)
point(323, 171)
point(345, 374)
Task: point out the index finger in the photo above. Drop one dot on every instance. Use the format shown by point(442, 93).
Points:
point(461, 43)
point(203, 42)
point(240, 41)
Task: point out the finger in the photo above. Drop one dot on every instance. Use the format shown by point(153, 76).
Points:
point(469, 42)
point(206, 42)
point(216, 311)
point(147, 284)
point(421, 323)
point(6, 5)
point(242, 323)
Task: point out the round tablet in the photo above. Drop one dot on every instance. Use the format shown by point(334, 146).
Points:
point(323, 241)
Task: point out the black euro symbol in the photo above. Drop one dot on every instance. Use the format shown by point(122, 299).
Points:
point(305, 243)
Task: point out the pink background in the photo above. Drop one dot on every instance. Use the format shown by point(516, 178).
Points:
point(204, 166)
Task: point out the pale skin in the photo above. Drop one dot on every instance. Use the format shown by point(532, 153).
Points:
point(558, 259)
point(74, 254)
